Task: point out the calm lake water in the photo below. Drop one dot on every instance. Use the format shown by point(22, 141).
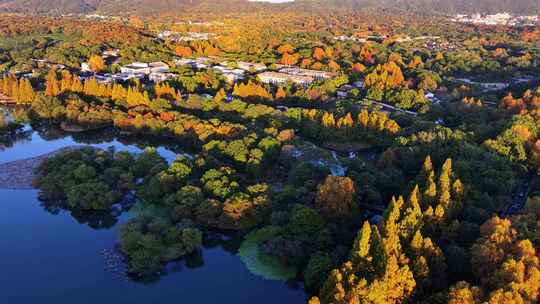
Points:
point(52, 256)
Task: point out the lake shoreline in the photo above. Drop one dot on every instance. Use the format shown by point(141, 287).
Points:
point(19, 174)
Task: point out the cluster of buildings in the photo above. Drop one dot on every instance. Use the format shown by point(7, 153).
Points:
point(278, 78)
point(145, 68)
point(160, 71)
point(232, 72)
point(408, 38)
point(114, 53)
point(235, 71)
point(203, 23)
point(46, 63)
point(345, 90)
point(155, 71)
point(383, 37)
point(497, 19)
point(441, 45)
point(351, 38)
point(361, 39)
point(485, 86)
point(98, 17)
point(190, 36)
point(294, 74)
point(197, 63)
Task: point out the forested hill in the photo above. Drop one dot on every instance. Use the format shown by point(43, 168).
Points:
point(129, 6)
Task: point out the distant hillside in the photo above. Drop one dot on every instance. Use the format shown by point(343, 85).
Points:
point(129, 6)
point(49, 6)
point(442, 6)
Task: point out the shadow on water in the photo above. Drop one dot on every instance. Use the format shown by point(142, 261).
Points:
point(86, 243)
point(225, 241)
point(49, 132)
point(100, 219)
point(191, 261)
point(13, 134)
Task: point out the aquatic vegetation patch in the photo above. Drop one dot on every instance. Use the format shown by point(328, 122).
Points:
point(142, 208)
point(260, 263)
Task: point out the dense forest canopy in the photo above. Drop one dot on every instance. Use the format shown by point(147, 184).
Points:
point(378, 156)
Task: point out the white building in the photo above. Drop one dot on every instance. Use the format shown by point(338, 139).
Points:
point(232, 77)
point(85, 67)
point(199, 63)
point(160, 77)
point(158, 67)
point(249, 66)
point(103, 78)
point(185, 61)
point(194, 36)
point(165, 34)
point(318, 75)
point(111, 53)
point(145, 68)
point(136, 68)
point(126, 76)
point(277, 78)
point(497, 19)
point(494, 86)
point(351, 38)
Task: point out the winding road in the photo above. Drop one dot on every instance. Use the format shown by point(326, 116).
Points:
point(519, 199)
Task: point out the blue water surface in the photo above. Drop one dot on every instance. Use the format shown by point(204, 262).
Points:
point(48, 256)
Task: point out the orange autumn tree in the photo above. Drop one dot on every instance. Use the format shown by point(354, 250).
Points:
point(19, 89)
point(26, 91)
point(165, 91)
point(397, 260)
point(118, 92)
point(305, 63)
point(333, 66)
point(76, 85)
point(416, 62)
point(358, 68)
point(336, 197)
point(135, 98)
point(96, 63)
point(285, 49)
point(183, 51)
point(529, 103)
point(251, 90)
point(280, 93)
point(366, 56)
point(289, 59)
point(375, 271)
point(221, 96)
point(374, 121)
point(319, 54)
point(66, 81)
point(385, 77)
point(506, 264)
point(52, 87)
point(93, 88)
